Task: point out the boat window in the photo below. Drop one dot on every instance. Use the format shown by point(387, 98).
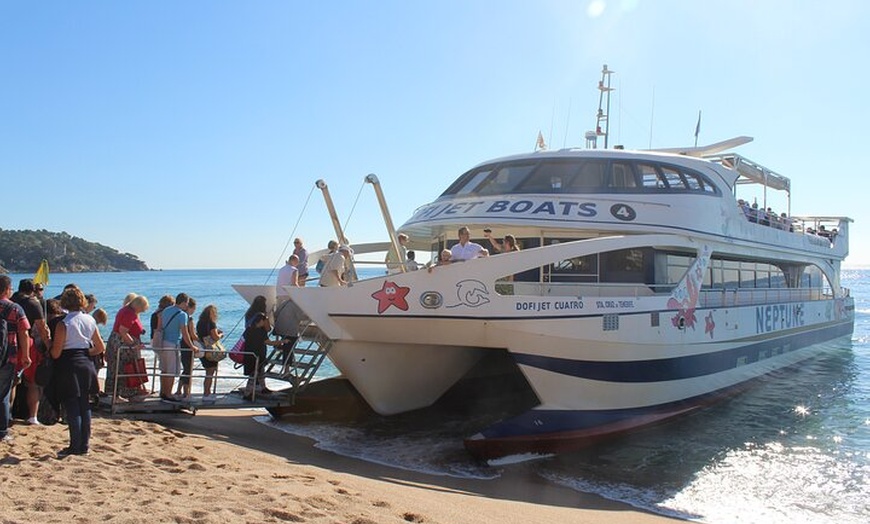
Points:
point(468, 181)
point(590, 177)
point(677, 266)
point(571, 175)
point(627, 266)
point(622, 176)
point(577, 269)
point(673, 178)
point(505, 179)
point(813, 277)
point(694, 181)
point(550, 177)
point(651, 177)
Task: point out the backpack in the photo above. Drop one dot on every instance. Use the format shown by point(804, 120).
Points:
point(6, 347)
point(4, 338)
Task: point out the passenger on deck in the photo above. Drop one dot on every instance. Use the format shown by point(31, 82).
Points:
point(443, 260)
point(331, 247)
point(465, 249)
point(411, 263)
point(302, 261)
point(753, 212)
point(507, 245)
point(763, 217)
point(394, 265)
point(287, 276)
point(334, 270)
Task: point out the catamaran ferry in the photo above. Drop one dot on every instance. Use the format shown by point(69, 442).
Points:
point(644, 289)
point(641, 287)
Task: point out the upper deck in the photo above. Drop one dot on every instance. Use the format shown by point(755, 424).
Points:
point(602, 192)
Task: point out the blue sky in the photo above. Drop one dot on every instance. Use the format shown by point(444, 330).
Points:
point(191, 133)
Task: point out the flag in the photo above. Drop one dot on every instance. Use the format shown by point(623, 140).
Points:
point(41, 276)
point(698, 126)
point(540, 144)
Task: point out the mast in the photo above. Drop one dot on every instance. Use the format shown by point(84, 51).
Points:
point(395, 252)
point(602, 121)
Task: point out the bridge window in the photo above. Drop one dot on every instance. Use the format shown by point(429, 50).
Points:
point(549, 177)
point(673, 178)
point(577, 176)
point(590, 177)
point(505, 179)
point(651, 177)
point(622, 176)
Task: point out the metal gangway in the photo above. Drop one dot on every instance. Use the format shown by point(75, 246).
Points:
point(295, 365)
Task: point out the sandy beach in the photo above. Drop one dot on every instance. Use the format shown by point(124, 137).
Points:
point(224, 466)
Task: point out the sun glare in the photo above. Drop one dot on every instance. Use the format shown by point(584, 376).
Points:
point(596, 8)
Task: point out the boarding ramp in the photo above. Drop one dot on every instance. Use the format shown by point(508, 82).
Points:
point(295, 364)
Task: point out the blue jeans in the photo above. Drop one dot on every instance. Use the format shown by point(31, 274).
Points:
point(7, 374)
point(78, 417)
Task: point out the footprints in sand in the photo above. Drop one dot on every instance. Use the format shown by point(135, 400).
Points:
point(172, 477)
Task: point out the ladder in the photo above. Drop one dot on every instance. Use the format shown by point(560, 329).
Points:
point(298, 364)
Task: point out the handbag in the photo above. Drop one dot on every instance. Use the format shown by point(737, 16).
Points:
point(44, 372)
point(157, 338)
point(237, 354)
point(214, 351)
point(136, 373)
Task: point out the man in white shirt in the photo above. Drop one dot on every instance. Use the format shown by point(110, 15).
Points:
point(465, 249)
point(287, 276)
point(333, 271)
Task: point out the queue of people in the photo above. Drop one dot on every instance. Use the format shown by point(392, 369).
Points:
point(54, 358)
point(55, 352)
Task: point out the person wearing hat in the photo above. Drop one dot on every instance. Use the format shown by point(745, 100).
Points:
point(335, 267)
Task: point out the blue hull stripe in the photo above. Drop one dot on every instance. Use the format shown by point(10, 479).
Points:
point(676, 368)
point(551, 422)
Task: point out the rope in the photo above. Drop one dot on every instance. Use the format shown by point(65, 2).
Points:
point(352, 208)
point(292, 235)
point(281, 257)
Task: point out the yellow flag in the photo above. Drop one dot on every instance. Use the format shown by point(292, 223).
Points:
point(42, 273)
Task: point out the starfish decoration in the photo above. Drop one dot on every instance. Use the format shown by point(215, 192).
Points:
point(391, 295)
point(711, 325)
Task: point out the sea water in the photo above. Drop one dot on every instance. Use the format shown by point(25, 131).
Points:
point(795, 448)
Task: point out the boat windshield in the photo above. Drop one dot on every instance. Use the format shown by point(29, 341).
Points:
point(570, 175)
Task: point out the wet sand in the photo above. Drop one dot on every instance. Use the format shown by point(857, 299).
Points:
point(223, 466)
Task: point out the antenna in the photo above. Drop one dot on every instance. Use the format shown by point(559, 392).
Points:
point(602, 122)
